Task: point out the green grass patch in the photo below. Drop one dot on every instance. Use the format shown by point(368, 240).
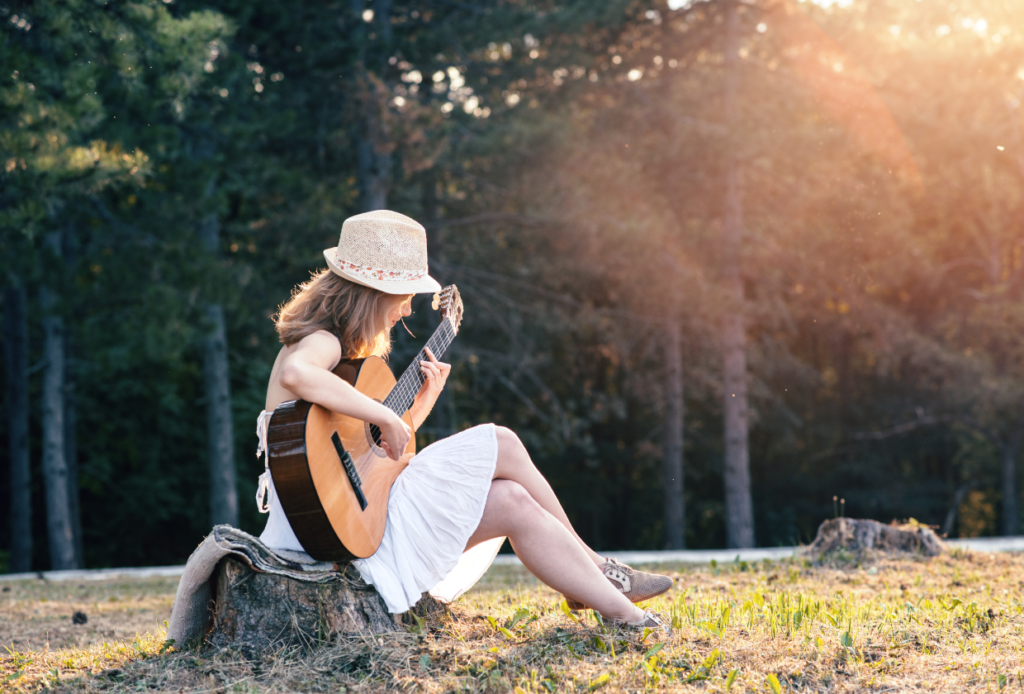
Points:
point(949, 624)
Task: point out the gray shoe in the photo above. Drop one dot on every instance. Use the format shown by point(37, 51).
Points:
point(634, 584)
point(651, 620)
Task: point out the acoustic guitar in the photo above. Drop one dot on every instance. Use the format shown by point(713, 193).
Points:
point(332, 477)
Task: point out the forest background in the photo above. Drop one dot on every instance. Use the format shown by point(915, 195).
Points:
point(723, 262)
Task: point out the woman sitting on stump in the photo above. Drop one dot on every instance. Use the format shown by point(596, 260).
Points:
point(475, 487)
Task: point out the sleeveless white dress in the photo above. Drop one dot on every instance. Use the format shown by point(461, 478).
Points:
point(435, 506)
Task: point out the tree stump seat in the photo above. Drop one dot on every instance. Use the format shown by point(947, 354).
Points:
point(256, 610)
point(237, 592)
point(861, 535)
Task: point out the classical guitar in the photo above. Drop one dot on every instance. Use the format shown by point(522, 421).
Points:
point(331, 474)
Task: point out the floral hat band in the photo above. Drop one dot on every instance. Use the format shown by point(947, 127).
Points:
point(384, 250)
point(369, 273)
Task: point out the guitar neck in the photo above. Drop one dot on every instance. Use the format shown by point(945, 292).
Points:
point(401, 396)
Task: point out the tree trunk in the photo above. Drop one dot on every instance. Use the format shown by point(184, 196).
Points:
point(255, 611)
point(675, 505)
point(55, 469)
point(71, 446)
point(1011, 517)
point(374, 173)
point(431, 215)
point(217, 385)
point(954, 507)
point(382, 19)
point(738, 507)
point(374, 164)
point(441, 420)
point(16, 357)
point(71, 413)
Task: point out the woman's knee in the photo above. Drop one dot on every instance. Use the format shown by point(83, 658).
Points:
point(506, 438)
point(510, 448)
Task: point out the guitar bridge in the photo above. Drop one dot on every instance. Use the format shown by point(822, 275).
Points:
point(350, 470)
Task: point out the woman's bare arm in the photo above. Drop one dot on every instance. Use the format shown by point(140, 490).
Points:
point(306, 372)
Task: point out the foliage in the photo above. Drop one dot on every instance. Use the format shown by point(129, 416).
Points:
point(567, 158)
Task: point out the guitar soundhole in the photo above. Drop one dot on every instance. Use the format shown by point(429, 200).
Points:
point(374, 437)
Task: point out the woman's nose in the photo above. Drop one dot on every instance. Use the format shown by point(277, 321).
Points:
point(407, 309)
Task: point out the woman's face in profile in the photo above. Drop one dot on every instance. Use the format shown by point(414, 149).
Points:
point(399, 311)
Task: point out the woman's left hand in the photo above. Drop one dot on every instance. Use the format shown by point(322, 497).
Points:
point(435, 374)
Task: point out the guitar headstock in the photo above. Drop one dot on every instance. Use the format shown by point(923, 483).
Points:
point(450, 303)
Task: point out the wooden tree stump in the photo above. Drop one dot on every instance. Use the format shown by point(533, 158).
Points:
point(858, 535)
point(255, 611)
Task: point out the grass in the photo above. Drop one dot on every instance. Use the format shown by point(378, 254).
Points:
point(949, 624)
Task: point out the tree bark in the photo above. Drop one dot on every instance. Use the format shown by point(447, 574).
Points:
point(738, 506)
point(861, 535)
point(55, 469)
point(954, 507)
point(374, 173)
point(373, 165)
point(217, 385)
point(431, 215)
point(675, 504)
point(382, 19)
point(1011, 514)
point(255, 611)
point(16, 357)
point(71, 446)
point(71, 414)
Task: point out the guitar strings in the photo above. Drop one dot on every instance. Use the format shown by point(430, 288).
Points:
point(438, 344)
point(412, 380)
point(404, 392)
point(406, 387)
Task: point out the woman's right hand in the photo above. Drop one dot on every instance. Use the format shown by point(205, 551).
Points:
point(395, 435)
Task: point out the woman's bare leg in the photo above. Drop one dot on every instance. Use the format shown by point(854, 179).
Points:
point(549, 550)
point(514, 464)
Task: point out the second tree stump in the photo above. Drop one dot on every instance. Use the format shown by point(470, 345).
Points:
point(857, 535)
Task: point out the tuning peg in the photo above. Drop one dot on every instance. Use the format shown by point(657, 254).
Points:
point(436, 302)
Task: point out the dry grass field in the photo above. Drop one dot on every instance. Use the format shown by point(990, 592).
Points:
point(949, 624)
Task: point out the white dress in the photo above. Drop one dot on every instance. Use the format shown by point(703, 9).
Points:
point(435, 506)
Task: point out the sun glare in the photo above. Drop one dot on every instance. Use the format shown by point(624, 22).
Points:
point(684, 4)
point(830, 3)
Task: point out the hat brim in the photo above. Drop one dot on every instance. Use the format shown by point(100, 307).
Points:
point(424, 285)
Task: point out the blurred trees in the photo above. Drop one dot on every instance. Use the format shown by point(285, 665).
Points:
point(839, 215)
point(950, 282)
point(580, 175)
point(73, 69)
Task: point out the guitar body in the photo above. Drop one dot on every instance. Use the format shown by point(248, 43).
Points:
point(312, 485)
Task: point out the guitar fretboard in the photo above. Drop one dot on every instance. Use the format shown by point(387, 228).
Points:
point(401, 396)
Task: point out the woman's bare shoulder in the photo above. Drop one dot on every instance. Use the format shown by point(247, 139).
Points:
point(321, 348)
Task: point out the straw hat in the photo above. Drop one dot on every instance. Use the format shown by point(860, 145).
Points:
point(383, 250)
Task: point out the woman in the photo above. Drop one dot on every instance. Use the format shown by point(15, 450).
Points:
point(475, 487)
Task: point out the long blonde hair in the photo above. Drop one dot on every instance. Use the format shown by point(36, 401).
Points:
point(356, 314)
